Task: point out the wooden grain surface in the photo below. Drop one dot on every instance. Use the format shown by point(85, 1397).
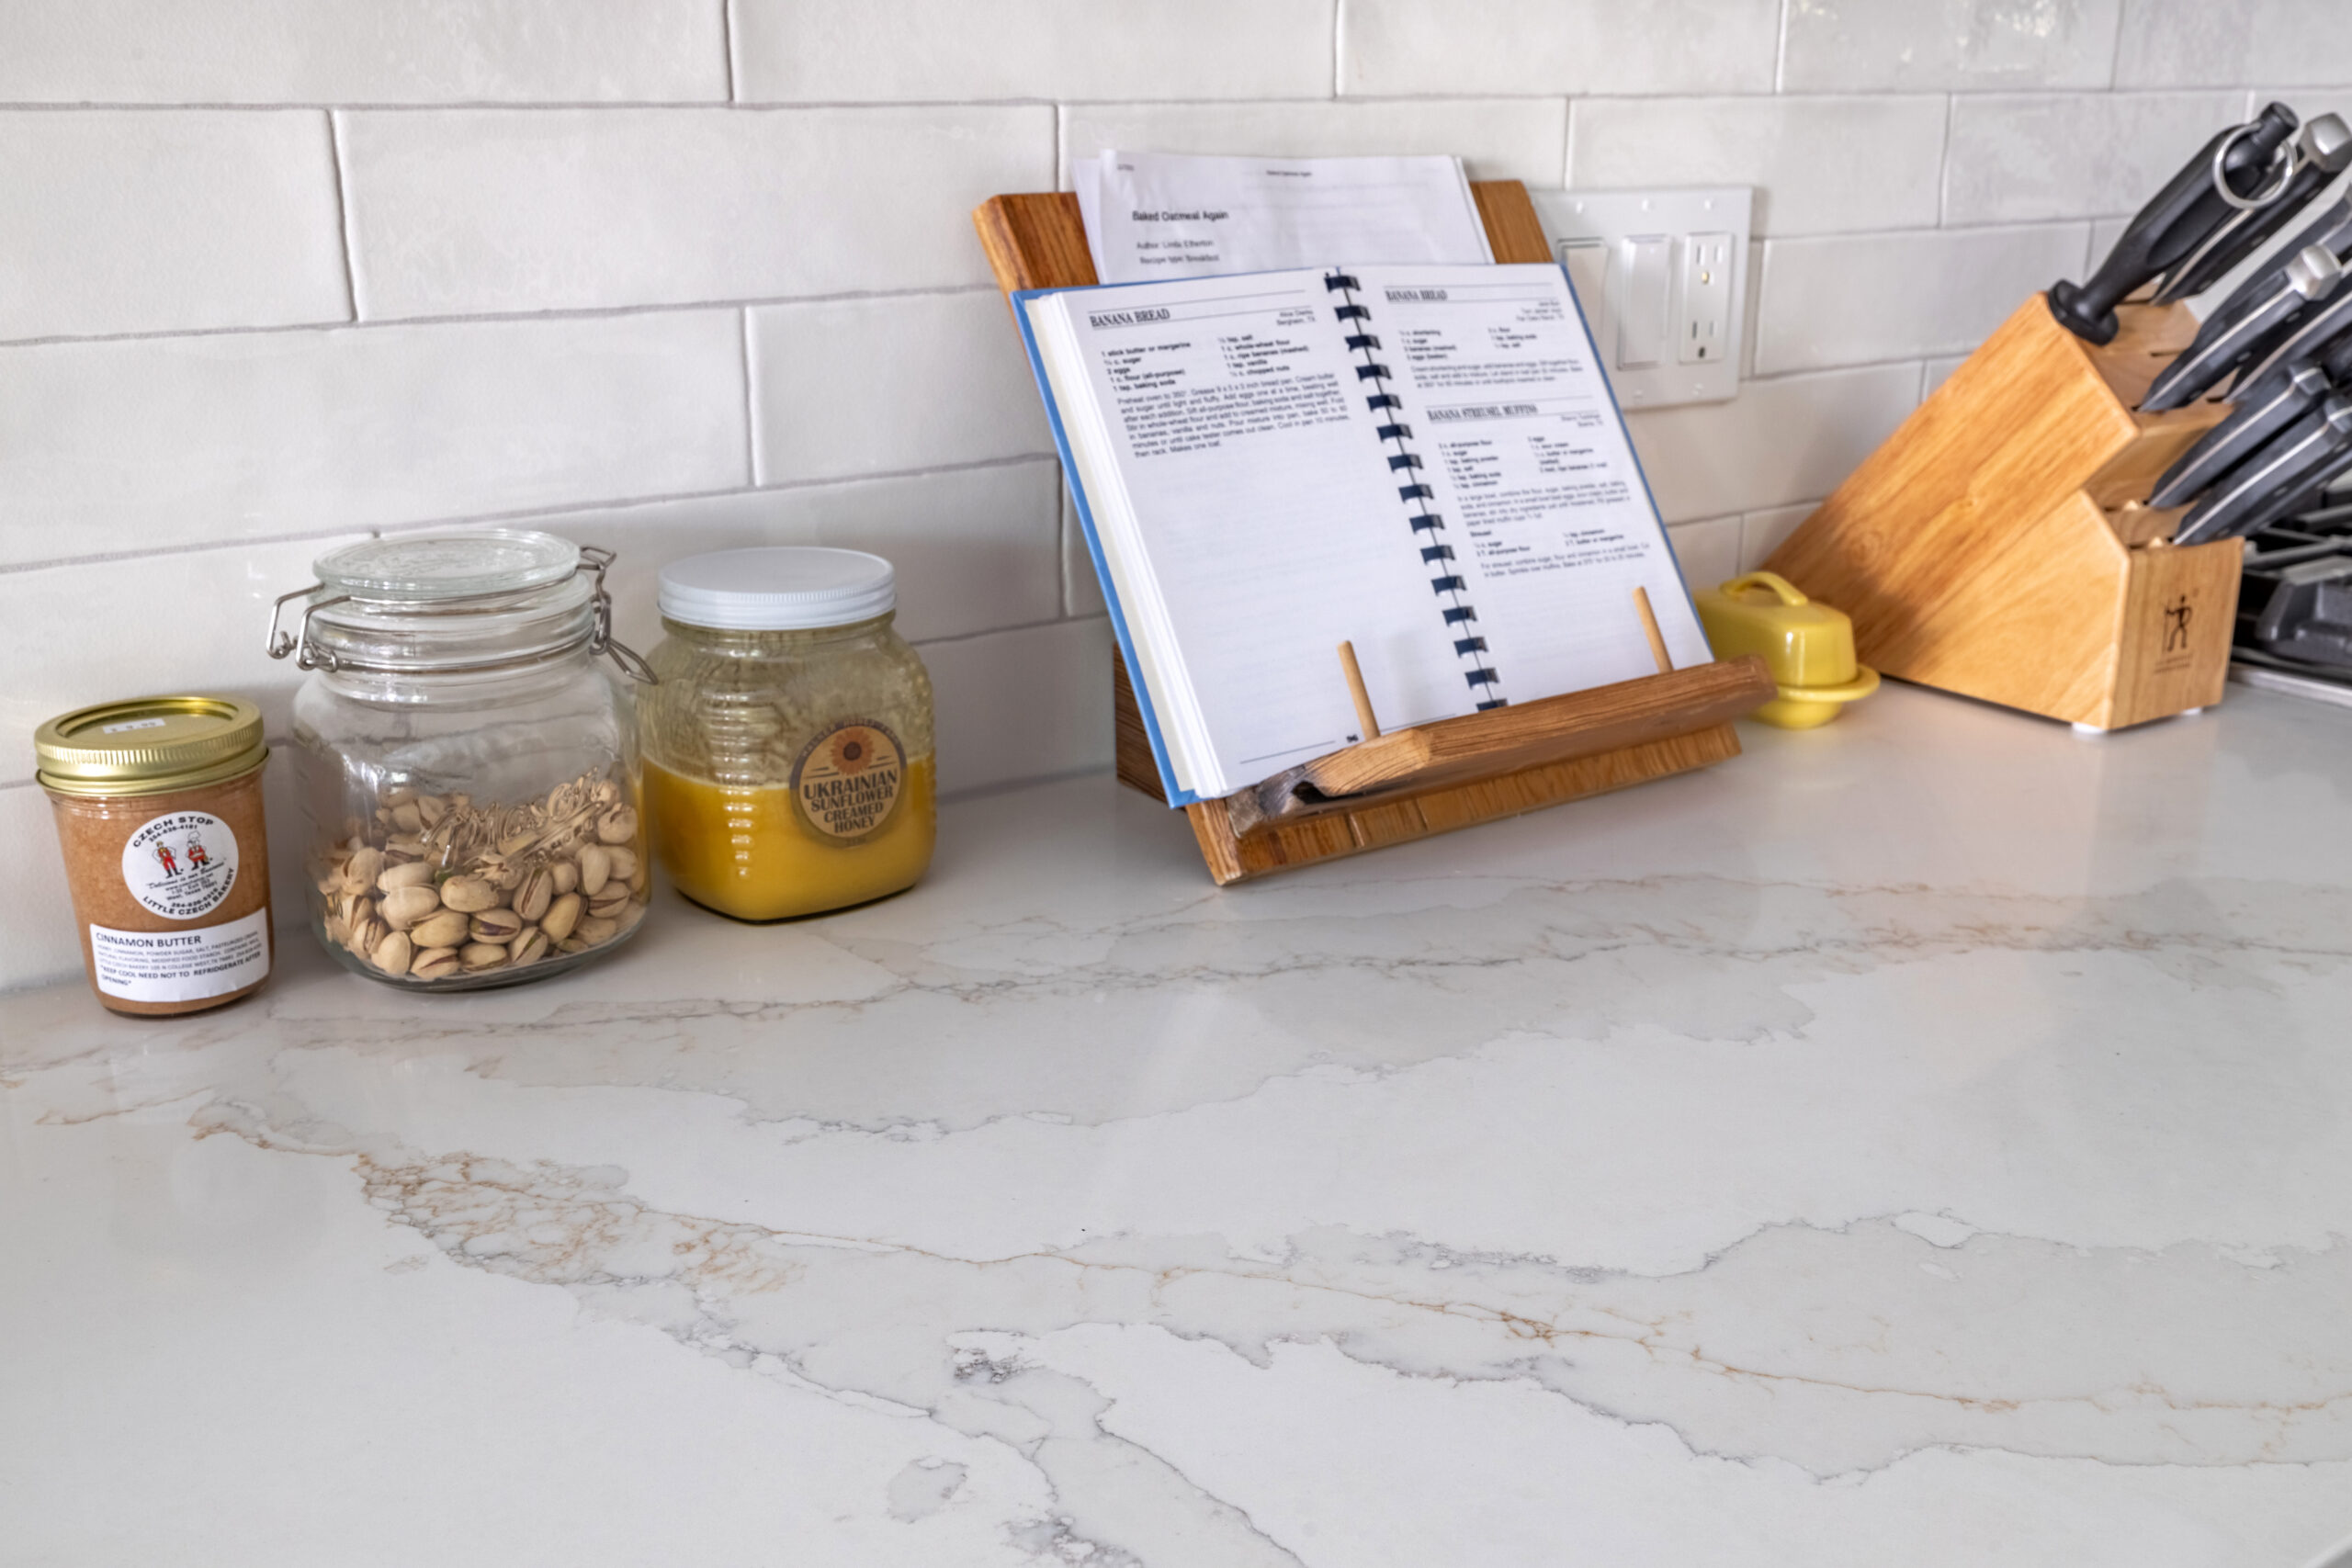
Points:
point(1508, 740)
point(1039, 241)
point(1988, 547)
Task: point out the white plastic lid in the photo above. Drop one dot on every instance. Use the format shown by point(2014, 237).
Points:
point(782, 588)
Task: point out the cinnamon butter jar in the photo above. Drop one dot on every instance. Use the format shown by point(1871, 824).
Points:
point(159, 812)
point(788, 765)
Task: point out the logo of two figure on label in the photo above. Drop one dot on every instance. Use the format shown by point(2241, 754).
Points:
point(2177, 618)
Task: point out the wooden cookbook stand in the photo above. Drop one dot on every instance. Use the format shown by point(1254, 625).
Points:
point(1433, 777)
point(1998, 545)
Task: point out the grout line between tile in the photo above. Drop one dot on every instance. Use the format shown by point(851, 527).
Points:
point(577, 313)
point(751, 405)
point(727, 41)
point(565, 509)
point(342, 215)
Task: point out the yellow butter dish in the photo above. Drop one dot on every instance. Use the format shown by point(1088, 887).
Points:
point(1808, 647)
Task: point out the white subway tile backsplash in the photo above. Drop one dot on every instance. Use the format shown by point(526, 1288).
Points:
point(1708, 551)
point(502, 210)
point(1820, 165)
point(126, 221)
point(1081, 584)
point(1500, 139)
point(1936, 372)
point(1860, 298)
point(1778, 442)
point(1762, 533)
point(187, 621)
point(920, 52)
point(1394, 47)
point(2028, 159)
point(39, 941)
point(2171, 44)
point(1021, 705)
point(975, 549)
point(845, 386)
point(1959, 44)
point(361, 52)
point(119, 447)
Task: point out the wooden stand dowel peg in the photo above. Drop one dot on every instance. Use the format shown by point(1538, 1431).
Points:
point(1363, 699)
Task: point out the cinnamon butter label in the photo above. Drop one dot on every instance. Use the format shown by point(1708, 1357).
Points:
point(847, 781)
point(181, 865)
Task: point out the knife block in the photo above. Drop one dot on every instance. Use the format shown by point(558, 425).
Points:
point(1477, 768)
point(1998, 543)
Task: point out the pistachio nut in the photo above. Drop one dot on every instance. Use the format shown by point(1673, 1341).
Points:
point(470, 894)
point(594, 929)
point(609, 903)
point(408, 873)
point(444, 927)
point(432, 964)
point(534, 894)
point(620, 826)
point(407, 817)
point(403, 907)
point(481, 955)
point(528, 948)
point(562, 916)
point(567, 877)
point(500, 926)
point(366, 936)
point(595, 868)
point(432, 808)
point(623, 861)
point(632, 912)
point(391, 954)
point(359, 873)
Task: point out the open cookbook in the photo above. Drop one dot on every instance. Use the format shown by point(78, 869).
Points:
point(1422, 460)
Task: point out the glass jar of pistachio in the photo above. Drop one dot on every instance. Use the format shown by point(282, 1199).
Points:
point(788, 743)
point(469, 769)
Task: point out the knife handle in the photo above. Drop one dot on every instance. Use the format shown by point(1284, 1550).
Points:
point(2285, 397)
point(2226, 341)
point(2226, 171)
point(2321, 151)
point(2277, 473)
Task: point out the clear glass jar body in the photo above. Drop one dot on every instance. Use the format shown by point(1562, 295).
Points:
point(788, 773)
point(474, 820)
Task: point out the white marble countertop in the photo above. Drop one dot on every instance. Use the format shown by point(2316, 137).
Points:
point(1924, 1141)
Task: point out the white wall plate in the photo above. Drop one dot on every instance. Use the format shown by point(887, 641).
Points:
point(1662, 276)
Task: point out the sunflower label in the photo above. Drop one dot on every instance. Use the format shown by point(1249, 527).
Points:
point(847, 780)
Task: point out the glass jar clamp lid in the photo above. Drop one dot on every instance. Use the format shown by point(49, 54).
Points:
point(449, 602)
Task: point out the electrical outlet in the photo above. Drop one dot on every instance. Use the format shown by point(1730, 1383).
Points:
point(1662, 276)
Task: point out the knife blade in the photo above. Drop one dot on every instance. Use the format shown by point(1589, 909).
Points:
point(2251, 423)
point(2224, 342)
point(2178, 218)
point(2321, 151)
point(2276, 474)
point(2316, 334)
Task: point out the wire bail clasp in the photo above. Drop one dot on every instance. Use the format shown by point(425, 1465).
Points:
point(631, 664)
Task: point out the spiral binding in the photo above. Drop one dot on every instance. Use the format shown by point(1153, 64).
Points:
point(1428, 525)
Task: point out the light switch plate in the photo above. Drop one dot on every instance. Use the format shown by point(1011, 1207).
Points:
point(1662, 276)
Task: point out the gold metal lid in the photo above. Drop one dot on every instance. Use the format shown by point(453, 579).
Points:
point(149, 745)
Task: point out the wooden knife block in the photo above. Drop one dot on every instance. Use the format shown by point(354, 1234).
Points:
point(1998, 545)
point(1473, 768)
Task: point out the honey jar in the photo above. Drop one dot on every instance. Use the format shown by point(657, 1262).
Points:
point(788, 765)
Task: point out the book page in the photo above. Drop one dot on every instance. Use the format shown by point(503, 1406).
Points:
point(1551, 523)
point(1153, 216)
point(1231, 469)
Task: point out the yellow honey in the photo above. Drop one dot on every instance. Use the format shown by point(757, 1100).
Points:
point(748, 851)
